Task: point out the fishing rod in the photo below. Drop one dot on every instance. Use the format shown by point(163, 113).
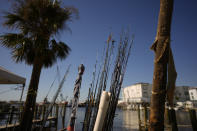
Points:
point(93, 116)
point(98, 75)
point(90, 100)
point(124, 49)
point(87, 112)
point(103, 79)
point(108, 64)
point(54, 98)
point(116, 86)
point(117, 80)
point(50, 88)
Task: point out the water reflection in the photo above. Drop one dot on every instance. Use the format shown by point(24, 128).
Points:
point(130, 119)
point(125, 120)
point(182, 118)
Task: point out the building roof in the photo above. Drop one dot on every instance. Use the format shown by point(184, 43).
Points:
point(142, 83)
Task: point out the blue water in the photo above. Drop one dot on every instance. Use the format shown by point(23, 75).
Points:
point(119, 123)
point(125, 120)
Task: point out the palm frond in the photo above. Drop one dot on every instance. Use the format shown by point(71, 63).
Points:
point(11, 40)
point(21, 46)
point(57, 50)
point(13, 20)
point(37, 21)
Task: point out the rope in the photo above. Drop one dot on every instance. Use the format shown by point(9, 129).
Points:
point(158, 92)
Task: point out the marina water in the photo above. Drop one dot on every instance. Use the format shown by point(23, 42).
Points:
point(125, 120)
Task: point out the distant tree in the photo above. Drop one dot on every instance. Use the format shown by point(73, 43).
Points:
point(161, 46)
point(37, 22)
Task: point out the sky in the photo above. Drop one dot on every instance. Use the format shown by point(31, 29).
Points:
point(89, 35)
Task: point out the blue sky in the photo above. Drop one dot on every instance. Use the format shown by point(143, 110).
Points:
point(89, 34)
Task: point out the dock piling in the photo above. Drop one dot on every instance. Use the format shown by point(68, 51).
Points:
point(35, 112)
point(172, 119)
point(145, 118)
point(63, 114)
point(56, 115)
point(43, 111)
point(139, 120)
point(193, 119)
point(11, 115)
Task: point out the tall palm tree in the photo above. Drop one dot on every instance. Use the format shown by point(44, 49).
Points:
point(37, 23)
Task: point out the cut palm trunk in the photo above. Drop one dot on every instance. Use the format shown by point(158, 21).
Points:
point(161, 47)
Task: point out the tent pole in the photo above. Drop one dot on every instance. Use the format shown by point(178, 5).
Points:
point(22, 93)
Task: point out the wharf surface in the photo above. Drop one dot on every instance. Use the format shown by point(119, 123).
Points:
point(16, 125)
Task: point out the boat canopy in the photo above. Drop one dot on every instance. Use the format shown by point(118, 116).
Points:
point(7, 77)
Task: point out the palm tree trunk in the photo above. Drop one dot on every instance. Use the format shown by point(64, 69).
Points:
point(27, 116)
point(161, 48)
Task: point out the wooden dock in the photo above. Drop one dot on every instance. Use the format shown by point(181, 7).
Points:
point(16, 125)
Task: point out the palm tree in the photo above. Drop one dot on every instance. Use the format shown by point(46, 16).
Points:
point(37, 23)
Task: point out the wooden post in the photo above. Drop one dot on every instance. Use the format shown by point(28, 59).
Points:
point(35, 112)
point(56, 115)
point(54, 110)
point(145, 117)
point(51, 113)
point(11, 115)
point(193, 119)
point(20, 115)
point(172, 119)
point(39, 111)
point(167, 120)
point(64, 110)
point(43, 111)
point(139, 120)
point(63, 115)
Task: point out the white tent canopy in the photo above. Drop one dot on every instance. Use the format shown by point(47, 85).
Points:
point(7, 77)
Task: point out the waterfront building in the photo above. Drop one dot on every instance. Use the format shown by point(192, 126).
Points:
point(137, 93)
point(181, 94)
point(193, 94)
point(141, 93)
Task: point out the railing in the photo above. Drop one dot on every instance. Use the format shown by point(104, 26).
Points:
point(10, 117)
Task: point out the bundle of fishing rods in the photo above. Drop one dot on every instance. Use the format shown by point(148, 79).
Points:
point(99, 85)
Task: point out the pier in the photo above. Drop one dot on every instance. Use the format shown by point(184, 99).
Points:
point(13, 116)
point(16, 125)
point(135, 119)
